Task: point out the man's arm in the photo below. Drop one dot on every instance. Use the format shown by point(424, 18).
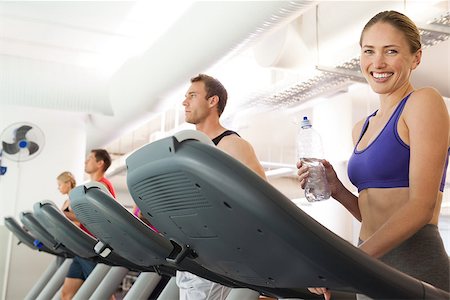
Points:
point(241, 150)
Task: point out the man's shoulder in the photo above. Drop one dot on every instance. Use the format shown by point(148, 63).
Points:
point(232, 137)
point(234, 143)
point(108, 184)
point(103, 179)
point(242, 150)
point(226, 133)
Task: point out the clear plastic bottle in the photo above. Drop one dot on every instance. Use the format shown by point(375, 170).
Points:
point(310, 152)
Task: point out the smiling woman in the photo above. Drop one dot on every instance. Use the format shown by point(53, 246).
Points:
point(400, 157)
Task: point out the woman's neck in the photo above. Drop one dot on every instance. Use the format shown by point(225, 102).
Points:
point(391, 100)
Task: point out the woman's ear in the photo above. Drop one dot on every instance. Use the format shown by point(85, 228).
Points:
point(417, 59)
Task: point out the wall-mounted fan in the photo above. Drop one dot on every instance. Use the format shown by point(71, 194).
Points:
point(21, 141)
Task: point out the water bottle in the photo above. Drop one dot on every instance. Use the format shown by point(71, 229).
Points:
point(310, 152)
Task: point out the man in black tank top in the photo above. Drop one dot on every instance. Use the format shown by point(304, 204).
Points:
point(204, 103)
point(217, 139)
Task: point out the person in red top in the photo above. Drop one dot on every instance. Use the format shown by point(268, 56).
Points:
point(96, 164)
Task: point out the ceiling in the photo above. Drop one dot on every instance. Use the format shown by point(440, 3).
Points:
point(115, 60)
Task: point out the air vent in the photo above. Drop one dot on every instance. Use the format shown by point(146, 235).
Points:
point(88, 215)
point(170, 192)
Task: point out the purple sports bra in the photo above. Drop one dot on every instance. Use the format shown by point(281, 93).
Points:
point(384, 163)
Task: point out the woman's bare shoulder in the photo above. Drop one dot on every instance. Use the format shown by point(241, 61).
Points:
point(425, 100)
point(428, 93)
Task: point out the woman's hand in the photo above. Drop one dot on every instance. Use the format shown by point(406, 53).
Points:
point(333, 181)
point(302, 173)
point(332, 178)
point(321, 291)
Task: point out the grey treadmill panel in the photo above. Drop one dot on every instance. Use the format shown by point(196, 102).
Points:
point(41, 234)
point(116, 227)
point(23, 236)
point(243, 228)
point(63, 230)
point(72, 237)
point(28, 238)
point(128, 236)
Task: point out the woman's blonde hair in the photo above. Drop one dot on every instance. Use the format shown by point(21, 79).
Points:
point(67, 177)
point(402, 23)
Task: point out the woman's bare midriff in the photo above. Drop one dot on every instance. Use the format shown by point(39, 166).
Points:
point(378, 205)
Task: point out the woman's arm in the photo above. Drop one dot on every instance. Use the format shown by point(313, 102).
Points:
point(341, 193)
point(67, 210)
point(338, 190)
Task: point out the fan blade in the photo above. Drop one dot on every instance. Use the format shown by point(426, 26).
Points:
point(10, 148)
point(21, 132)
point(32, 147)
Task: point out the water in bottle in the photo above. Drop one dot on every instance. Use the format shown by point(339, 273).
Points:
point(310, 152)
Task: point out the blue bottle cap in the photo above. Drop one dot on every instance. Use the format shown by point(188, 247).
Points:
point(305, 123)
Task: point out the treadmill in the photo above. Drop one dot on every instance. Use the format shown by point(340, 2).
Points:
point(123, 233)
point(111, 268)
point(24, 236)
point(43, 236)
point(235, 224)
point(109, 221)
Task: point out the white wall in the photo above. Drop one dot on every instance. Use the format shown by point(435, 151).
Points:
point(30, 181)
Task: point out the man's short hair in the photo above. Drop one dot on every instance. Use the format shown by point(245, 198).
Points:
point(213, 88)
point(102, 154)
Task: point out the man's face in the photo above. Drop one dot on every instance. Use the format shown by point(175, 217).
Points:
point(196, 105)
point(91, 165)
